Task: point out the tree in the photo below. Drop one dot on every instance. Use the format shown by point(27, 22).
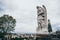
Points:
point(49, 26)
point(7, 24)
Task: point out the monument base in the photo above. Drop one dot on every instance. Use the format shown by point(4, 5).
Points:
point(42, 37)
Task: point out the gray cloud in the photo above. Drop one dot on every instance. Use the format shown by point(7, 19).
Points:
point(25, 13)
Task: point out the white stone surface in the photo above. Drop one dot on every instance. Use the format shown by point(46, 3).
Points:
point(42, 20)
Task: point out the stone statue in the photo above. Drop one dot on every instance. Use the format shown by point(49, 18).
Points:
point(42, 19)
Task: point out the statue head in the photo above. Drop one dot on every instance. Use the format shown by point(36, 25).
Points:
point(41, 9)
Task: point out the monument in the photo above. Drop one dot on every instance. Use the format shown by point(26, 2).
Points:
point(44, 27)
point(42, 20)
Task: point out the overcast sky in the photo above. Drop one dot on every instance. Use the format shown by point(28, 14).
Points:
point(25, 13)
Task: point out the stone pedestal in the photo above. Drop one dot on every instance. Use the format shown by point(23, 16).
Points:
point(42, 37)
